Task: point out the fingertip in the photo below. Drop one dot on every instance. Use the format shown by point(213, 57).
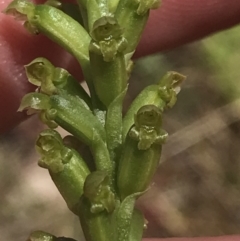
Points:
point(179, 22)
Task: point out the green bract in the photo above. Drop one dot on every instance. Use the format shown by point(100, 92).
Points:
point(108, 161)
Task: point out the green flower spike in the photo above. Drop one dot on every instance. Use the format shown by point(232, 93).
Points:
point(141, 151)
point(66, 167)
point(107, 38)
point(162, 95)
point(97, 190)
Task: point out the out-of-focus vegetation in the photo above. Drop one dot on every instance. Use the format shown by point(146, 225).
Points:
point(197, 186)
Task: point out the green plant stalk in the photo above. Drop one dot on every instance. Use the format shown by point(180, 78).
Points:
point(126, 151)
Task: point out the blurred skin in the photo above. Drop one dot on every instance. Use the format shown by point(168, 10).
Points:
point(177, 22)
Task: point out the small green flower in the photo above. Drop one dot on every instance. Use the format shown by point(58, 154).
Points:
point(97, 189)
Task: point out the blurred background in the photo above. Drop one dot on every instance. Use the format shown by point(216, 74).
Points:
point(196, 189)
